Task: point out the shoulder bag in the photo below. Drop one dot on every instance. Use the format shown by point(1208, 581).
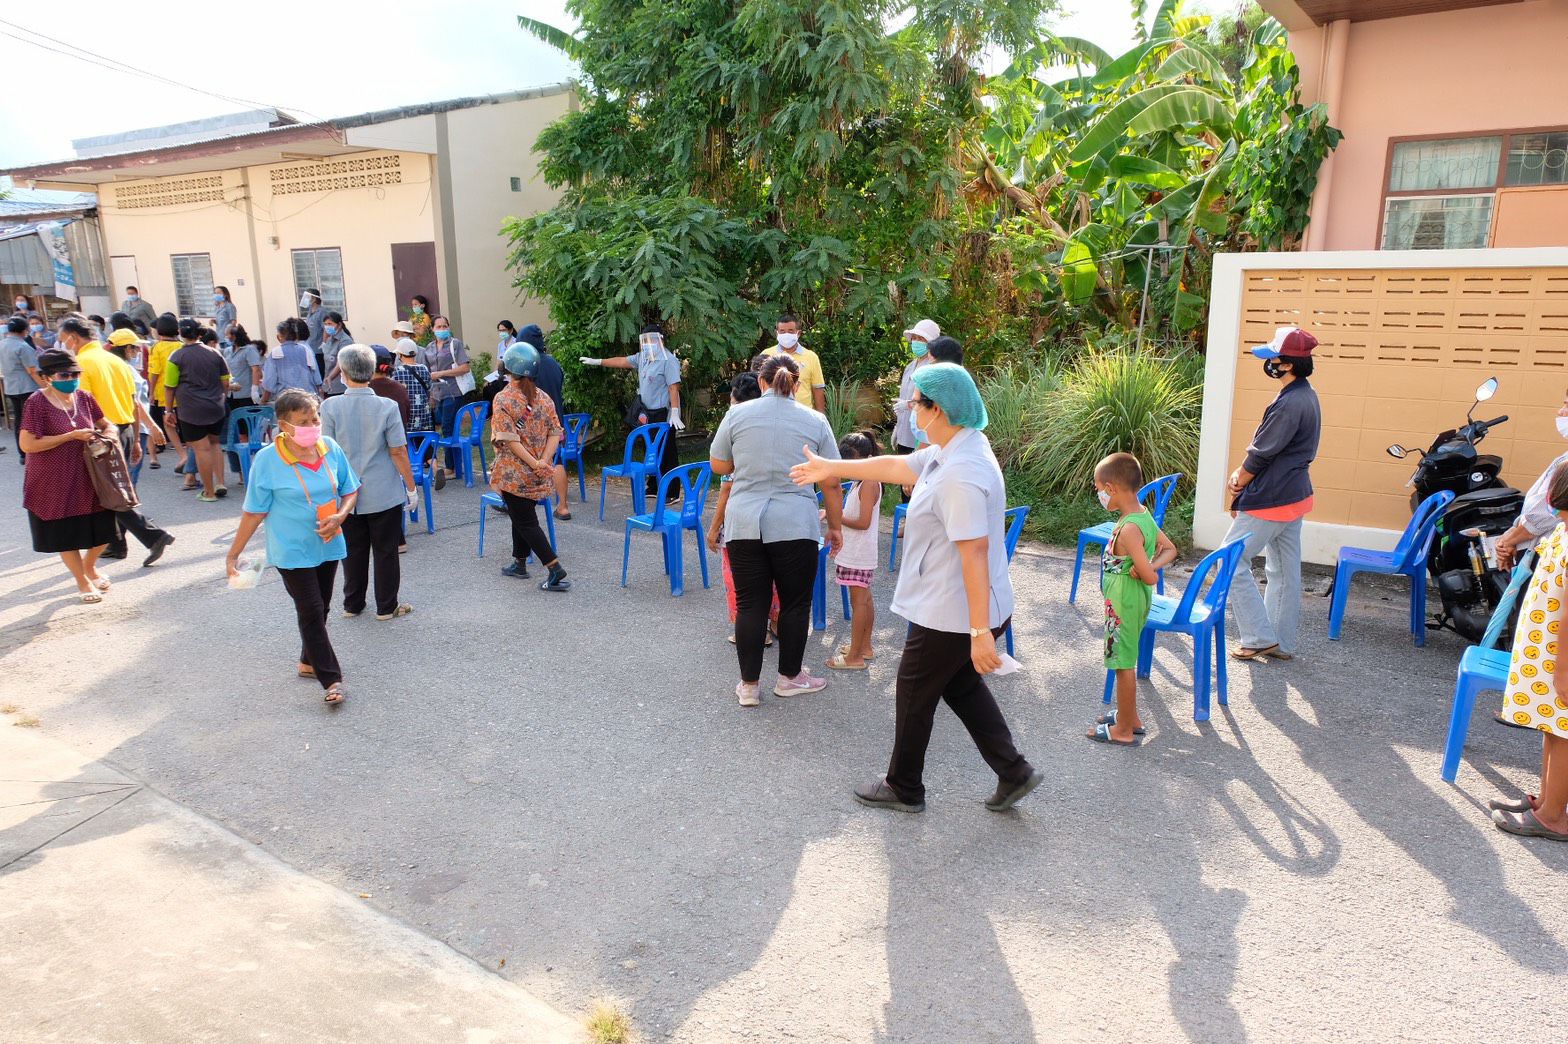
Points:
point(110, 475)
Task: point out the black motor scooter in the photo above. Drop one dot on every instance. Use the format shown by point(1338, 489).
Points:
point(1463, 559)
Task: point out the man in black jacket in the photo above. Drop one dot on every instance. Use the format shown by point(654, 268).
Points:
point(1272, 493)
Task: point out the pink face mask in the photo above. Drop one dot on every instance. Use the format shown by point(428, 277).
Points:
point(306, 434)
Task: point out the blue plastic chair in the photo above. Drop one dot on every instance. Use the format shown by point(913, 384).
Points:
point(670, 524)
point(1015, 528)
point(493, 499)
point(1203, 618)
point(1483, 668)
point(1156, 496)
point(819, 586)
point(253, 421)
point(420, 444)
point(1407, 559)
point(464, 446)
point(644, 447)
point(898, 523)
point(575, 429)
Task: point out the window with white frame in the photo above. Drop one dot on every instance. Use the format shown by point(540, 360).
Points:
point(192, 283)
point(321, 269)
point(1441, 193)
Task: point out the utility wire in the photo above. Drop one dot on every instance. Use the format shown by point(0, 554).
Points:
point(113, 65)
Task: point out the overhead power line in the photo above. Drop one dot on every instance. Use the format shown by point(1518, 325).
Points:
point(69, 50)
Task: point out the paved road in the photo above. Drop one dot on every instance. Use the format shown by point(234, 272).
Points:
point(566, 783)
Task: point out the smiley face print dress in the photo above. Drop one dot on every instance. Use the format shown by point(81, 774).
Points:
point(1530, 698)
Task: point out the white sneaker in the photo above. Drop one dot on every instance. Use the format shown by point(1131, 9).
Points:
point(747, 694)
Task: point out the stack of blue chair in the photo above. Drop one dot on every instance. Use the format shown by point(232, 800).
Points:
point(253, 422)
point(1203, 618)
point(1016, 517)
point(644, 448)
point(670, 523)
point(1156, 496)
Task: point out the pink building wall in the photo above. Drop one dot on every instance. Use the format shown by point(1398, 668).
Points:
point(1484, 69)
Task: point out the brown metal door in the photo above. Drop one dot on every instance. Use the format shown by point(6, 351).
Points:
point(414, 272)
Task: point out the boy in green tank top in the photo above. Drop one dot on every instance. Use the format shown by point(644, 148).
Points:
point(1129, 568)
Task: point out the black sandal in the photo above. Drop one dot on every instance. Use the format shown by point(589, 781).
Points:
point(334, 693)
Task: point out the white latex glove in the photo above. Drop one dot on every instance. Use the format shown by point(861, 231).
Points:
point(675, 419)
point(411, 499)
point(589, 362)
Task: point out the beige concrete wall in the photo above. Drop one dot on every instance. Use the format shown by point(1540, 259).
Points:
point(1483, 69)
point(202, 226)
point(361, 220)
point(489, 145)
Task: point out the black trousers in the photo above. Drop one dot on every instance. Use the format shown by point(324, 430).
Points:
point(133, 521)
point(311, 589)
point(527, 534)
point(373, 541)
point(16, 403)
point(936, 667)
point(670, 459)
point(757, 568)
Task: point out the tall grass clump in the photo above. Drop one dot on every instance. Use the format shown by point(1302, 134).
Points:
point(843, 403)
point(1018, 401)
point(1119, 400)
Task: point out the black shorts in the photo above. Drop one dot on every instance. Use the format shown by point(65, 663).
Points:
point(196, 432)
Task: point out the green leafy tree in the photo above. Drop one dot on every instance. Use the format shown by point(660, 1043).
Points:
point(732, 161)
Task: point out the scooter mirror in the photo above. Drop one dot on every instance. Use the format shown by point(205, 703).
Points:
point(1487, 390)
point(1397, 451)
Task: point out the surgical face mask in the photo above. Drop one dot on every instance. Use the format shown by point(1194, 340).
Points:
point(21, 304)
point(36, 330)
point(306, 434)
point(133, 297)
point(788, 341)
point(217, 298)
point(134, 361)
point(1562, 426)
point(330, 331)
point(304, 300)
point(1104, 498)
point(442, 335)
point(502, 336)
point(919, 348)
point(66, 387)
point(651, 345)
point(417, 309)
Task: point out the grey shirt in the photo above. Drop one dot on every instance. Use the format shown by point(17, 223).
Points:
point(654, 379)
point(16, 355)
point(444, 356)
point(140, 309)
point(367, 426)
point(314, 319)
point(903, 431)
point(959, 495)
point(223, 316)
point(763, 438)
point(330, 346)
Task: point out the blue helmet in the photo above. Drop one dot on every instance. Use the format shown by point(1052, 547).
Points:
point(522, 360)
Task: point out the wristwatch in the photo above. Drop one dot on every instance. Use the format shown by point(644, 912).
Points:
point(975, 632)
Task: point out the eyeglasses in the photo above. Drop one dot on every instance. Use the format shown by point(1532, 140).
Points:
point(917, 401)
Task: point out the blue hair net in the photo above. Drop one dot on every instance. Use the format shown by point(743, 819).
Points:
point(951, 387)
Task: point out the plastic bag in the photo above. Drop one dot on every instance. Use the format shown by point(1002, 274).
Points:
point(250, 566)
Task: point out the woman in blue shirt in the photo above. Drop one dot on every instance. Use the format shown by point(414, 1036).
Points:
point(290, 363)
point(304, 487)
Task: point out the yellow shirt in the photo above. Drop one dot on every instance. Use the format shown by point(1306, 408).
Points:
point(810, 373)
point(110, 381)
point(161, 351)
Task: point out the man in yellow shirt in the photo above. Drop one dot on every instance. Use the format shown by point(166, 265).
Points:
point(812, 388)
point(168, 331)
point(112, 382)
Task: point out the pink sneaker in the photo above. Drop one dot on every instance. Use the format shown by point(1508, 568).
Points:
point(801, 683)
